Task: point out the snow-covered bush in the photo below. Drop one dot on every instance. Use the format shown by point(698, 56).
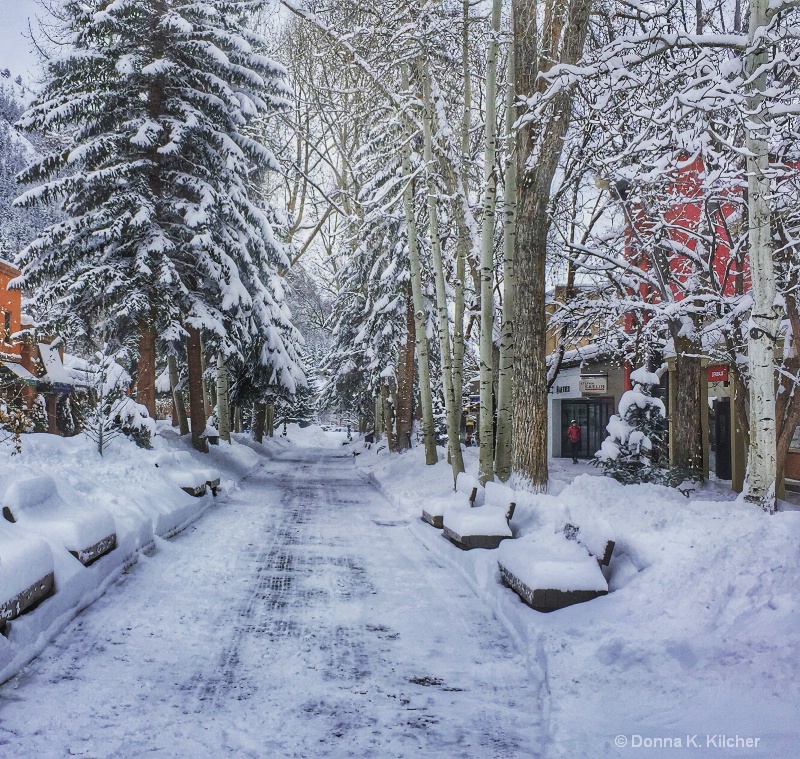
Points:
point(38, 415)
point(114, 412)
point(632, 451)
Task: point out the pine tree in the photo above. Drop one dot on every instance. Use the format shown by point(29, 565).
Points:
point(631, 453)
point(162, 101)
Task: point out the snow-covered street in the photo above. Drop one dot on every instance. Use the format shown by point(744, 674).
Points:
point(301, 617)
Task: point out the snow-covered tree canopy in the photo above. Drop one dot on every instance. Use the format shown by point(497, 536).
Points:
point(162, 103)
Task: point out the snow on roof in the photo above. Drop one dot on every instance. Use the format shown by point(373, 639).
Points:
point(55, 371)
point(20, 371)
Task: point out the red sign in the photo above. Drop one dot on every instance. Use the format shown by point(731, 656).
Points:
point(717, 373)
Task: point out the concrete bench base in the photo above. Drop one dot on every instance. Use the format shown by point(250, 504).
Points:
point(93, 553)
point(467, 542)
point(435, 520)
point(546, 599)
point(214, 485)
point(26, 600)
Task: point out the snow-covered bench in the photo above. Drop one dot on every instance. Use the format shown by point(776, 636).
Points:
point(548, 571)
point(212, 475)
point(595, 535)
point(34, 503)
point(187, 474)
point(468, 525)
point(467, 490)
point(26, 573)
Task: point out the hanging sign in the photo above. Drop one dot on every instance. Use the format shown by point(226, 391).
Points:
point(718, 373)
point(594, 385)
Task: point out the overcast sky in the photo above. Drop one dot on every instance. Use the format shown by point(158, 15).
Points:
point(16, 51)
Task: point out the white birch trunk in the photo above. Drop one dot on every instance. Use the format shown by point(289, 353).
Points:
point(421, 337)
point(765, 319)
point(463, 235)
point(505, 384)
point(486, 453)
point(453, 414)
point(223, 400)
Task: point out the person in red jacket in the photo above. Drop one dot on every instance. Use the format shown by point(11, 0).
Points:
point(574, 437)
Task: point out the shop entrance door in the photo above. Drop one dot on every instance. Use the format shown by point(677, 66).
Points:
point(592, 417)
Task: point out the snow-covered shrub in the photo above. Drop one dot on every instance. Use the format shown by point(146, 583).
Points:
point(38, 415)
point(114, 412)
point(632, 451)
point(134, 421)
point(64, 417)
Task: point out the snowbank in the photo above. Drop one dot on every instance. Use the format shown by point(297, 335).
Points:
point(64, 496)
point(698, 635)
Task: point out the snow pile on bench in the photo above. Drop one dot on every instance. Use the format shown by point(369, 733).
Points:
point(26, 572)
point(212, 475)
point(186, 476)
point(467, 484)
point(469, 525)
point(34, 503)
point(549, 572)
point(435, 508)
point(594, 534)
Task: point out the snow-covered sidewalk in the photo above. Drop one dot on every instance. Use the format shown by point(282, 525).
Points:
point(693, 653)
point(302, 617)
point(64, 496)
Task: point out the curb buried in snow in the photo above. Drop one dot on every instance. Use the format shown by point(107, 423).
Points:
point(148, 508)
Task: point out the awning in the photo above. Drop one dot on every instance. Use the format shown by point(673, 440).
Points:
point(18, 373)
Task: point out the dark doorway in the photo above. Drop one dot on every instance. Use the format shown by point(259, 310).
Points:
point(592, 417)
point(720, 429)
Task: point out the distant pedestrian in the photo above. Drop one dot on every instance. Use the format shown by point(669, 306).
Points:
point(574, 437)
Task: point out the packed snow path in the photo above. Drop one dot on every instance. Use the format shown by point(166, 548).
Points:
point(299, 618)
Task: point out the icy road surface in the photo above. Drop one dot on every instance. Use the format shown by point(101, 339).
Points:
point(298, 618)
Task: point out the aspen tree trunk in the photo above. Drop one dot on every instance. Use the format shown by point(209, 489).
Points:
point(486, 453)
point(463, 236)
point(146, 367)
point(453, 437)
point(765, 319)
point(421, 337)
point(223, 400)
point(196, 407)
point(546, 137)
point(177, 396)
point(505, 382)
point(406, 372)
point(259, 420)
point(237, 420)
